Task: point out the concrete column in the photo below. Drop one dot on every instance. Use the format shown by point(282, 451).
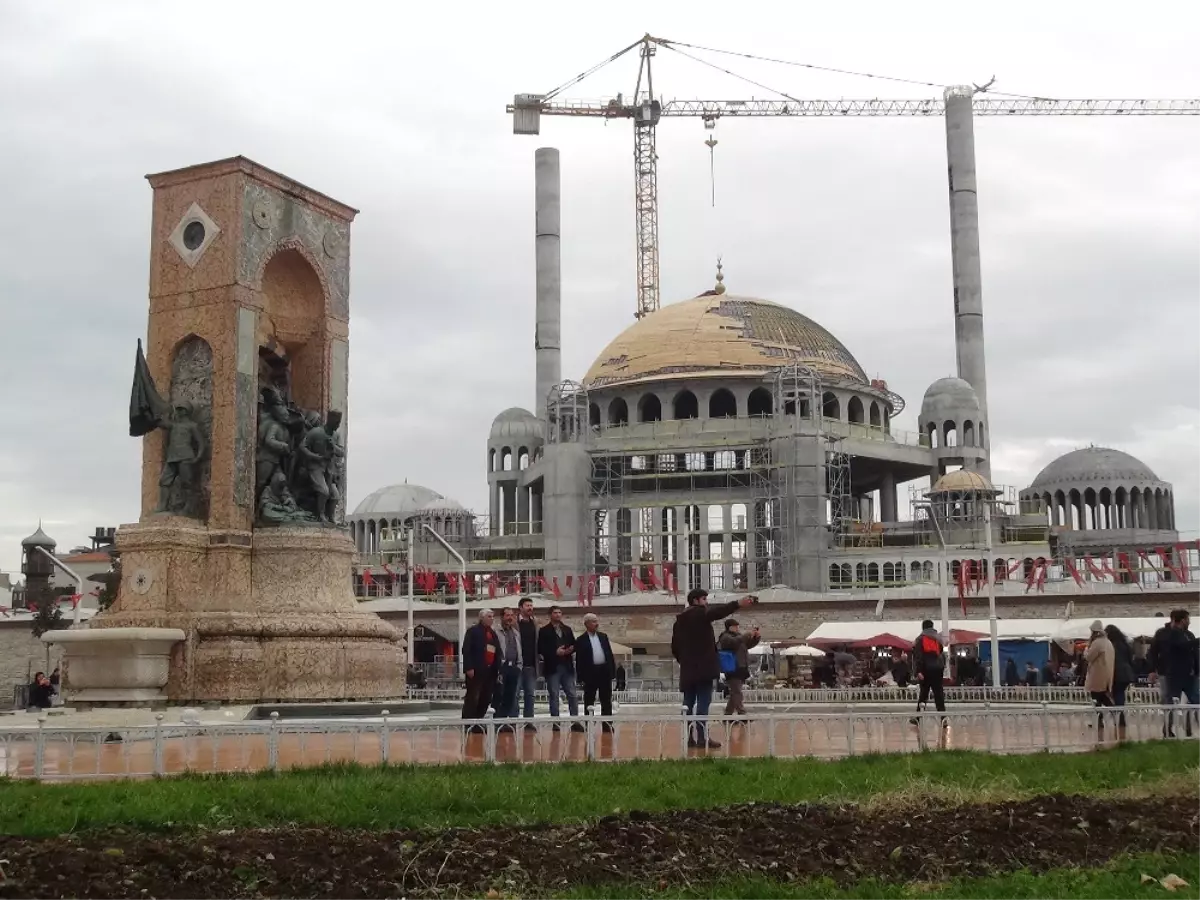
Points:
point(546, 342)
point(681, 550)
point(705, 570)
point(887, 498)
point(727, 545)
point(522, 509)
point(964, 250)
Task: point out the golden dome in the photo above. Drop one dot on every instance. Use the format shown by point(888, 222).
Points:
point(719, 333)
point(962, 480)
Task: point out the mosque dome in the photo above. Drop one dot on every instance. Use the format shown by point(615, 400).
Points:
point(949, 398)
point(963, 481)
point(39, 539)
point(441, 504)
point(516, 423)
point(720, 333)
point(396, 501)
point(1094, 464)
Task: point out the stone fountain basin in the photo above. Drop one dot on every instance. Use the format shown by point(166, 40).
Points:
point(115, 666)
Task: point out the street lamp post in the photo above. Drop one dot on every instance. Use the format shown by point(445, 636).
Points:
point(462, 593)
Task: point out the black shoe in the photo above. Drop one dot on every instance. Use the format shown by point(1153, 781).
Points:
point(578, 728)
point(914, 721)
point(713, 745)
point(529, 726)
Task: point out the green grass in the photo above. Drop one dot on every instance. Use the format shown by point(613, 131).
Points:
point(468, 795)
point(1122, 878)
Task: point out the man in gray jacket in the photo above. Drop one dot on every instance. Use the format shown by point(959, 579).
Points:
point(732, 641)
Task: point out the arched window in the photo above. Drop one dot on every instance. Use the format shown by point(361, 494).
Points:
point(492, 459)
point(831, 408)
point(506, 459)
point(724, 459)
point(523, 458)
point(873, 573)
point(685, 406)
point(594, 415)
point(854, 411)
point(835, 576)
point(760, 403)
point(889, 572)
point(649, 408)
point(933, 435)
point(846, 574)
point(722, 405)
point(618, 411)
point(876, 419)
point(950, 433)
point(914, 572)
point(982, 441)
point(860, 573)
point(968, 433)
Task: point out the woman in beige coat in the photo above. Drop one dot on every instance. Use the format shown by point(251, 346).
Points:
point(1101, 664)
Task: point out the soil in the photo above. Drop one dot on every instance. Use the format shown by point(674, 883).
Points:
point(928, 844)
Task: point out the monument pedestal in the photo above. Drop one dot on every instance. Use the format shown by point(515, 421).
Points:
point(115, 666)
point(266, 615)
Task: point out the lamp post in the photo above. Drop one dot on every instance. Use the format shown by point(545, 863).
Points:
point(943, 565)
point(412, 655)
point(993, 622)
point(462, 594)
point(58, 563)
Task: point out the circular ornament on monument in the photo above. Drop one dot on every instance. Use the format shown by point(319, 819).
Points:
point(141, 580)
point(330, 244)
point(262, 214)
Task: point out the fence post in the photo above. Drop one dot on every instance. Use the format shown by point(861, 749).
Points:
point(385, 741)
point(987, 723)
point(590, 738)
point(39, 748)
point(685, 733)
point(158, 744)
point(771, 734)
point(1045, 726)
point(850, 729)
point(489, 738)
point(273, 742)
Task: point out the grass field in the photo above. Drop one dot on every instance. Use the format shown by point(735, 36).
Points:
point(470, 795)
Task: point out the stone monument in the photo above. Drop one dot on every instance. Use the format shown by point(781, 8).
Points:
point(240, 401)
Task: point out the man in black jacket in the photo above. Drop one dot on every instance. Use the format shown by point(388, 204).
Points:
point(929, 665)
point(529, 655)
point(1175, 654)
point(596, 666)
point(556, 649)
point(481, 665)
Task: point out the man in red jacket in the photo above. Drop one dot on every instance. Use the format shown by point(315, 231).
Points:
point(694, 647)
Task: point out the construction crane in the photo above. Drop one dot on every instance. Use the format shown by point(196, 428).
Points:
point(646, 110)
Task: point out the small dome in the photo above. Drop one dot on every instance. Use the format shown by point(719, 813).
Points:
point(442, 504)
point(516, 423)
point(949, 398)
point(39, 539)
point(1094, 464)
point(396, 501)
point(962, 481)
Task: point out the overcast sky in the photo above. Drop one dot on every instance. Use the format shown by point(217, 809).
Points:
point(1090, 227)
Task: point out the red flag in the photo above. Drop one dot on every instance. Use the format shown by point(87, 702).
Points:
point(1125, 565)
point(961, 583)
point(1070, 566)
point(367, 579)
point(1165, 555)
point(491, 583)
point(75, 598)
point(569, 580)
point(452, 582)
point(593, 580)
point(580, 597)
point(1013, 568)
point(554, 588)
point(653, 576)
point(637, 582)
point(513, 585)
point(1043, 570)
point(470, 583)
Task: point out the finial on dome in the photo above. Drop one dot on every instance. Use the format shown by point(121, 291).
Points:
point(720, 288)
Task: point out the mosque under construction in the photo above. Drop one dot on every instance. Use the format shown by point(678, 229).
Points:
point(733, 443)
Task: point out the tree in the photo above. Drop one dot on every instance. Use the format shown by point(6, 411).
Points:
point(47, 616)
point(109, 583)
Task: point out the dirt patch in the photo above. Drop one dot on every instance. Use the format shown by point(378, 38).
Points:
point(847, 843)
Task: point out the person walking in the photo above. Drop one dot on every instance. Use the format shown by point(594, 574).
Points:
point(733, 648)
point(527, 625)
point(1122, 672)
point(481, 664)
point(1183, 664)
point(596, 666)
point(556, 647)
point(1098, 681)
point(694, 647)
point(929, 666)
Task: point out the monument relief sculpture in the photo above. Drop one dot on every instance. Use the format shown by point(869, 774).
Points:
point(274, 440)
point(180, 485)
point(319, 461)
point(276, 505)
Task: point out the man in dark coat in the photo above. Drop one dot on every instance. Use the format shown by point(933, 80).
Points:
point(596, 666)
point(694, 647)
point(529, 656)
point(481, 665)
point(556, 648)
point(929, 665)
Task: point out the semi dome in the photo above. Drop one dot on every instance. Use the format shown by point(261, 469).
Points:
point(1094, 464)
point(517, 423)
point(396, 501)
point(718, 333)
point(963, 481)
point(947, 398)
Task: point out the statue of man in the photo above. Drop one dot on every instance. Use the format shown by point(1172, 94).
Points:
point(274, 442)
point(185, 448)
point(276, 505)
point(319, 451)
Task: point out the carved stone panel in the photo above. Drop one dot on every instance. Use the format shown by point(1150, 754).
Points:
point(191, 381)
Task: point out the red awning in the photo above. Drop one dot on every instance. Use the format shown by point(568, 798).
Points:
point(883, 640)
point(963, 636)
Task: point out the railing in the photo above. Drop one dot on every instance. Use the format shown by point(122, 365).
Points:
point(68, 754)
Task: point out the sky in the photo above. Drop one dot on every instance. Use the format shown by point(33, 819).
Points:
point(1090, 227)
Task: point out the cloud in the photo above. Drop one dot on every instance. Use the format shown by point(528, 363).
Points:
point(1089, 226)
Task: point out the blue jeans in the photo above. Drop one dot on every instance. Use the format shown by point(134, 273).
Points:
point(698, 698)
point(528, 686)
point(1190, 689)
point(506, 706)
point(564, 679)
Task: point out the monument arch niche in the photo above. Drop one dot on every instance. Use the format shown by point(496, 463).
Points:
point(248, 324)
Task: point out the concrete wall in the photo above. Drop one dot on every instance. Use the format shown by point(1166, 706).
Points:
point(21, 654)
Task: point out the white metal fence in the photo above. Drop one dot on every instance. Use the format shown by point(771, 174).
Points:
point(53, 753)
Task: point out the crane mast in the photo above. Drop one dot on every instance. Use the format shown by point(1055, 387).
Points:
point(647, 110)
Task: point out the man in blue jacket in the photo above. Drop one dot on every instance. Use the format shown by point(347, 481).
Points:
point(481, 664)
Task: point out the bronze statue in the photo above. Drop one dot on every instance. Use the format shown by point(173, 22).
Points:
point(274, 441)
point(178, 487)
point(276, 505)
point(318, 460)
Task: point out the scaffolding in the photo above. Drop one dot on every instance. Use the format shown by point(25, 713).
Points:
point(567, 413)
point(842, 514)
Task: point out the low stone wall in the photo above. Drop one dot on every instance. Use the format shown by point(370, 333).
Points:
point(21, 654)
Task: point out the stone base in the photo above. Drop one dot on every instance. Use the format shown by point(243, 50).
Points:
point(116, 666)
point(268, 615)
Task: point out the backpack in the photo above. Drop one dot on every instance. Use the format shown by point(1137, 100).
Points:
point(728, 660)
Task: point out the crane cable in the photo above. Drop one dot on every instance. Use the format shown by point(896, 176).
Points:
point(586, 72)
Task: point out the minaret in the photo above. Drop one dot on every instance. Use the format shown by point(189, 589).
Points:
point(548, 285)
point(964, 249)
